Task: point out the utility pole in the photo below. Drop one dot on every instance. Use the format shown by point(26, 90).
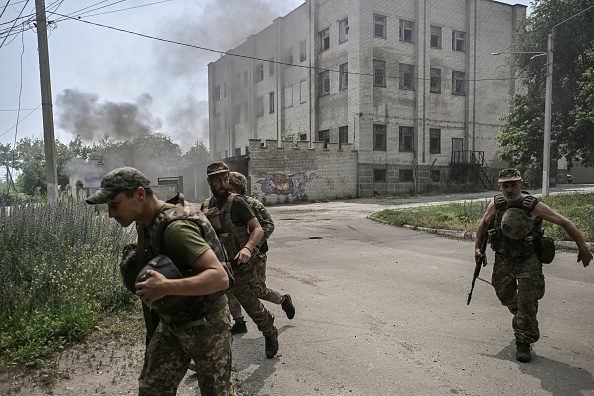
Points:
point(46, 103)
point(546, 154)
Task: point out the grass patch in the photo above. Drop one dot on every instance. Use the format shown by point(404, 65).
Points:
point(465, 216)
point(58, 276)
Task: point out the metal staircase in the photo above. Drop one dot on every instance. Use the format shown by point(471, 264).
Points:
point(475, 161)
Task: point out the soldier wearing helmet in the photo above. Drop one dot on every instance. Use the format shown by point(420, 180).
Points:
point(513, 220)
point(238, 185)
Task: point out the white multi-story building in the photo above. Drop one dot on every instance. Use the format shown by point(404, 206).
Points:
point(411, 85)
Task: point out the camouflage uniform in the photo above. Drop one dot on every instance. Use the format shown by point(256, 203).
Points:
point(517, 278)
point(259, 259)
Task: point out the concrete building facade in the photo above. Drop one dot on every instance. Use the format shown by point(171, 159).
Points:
point(410, 86)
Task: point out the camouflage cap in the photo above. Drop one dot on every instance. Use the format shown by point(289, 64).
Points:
point(216, 167)
point(117, 180)
point(238, 181)
point(509, 174)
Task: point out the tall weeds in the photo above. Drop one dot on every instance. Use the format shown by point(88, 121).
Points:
point(58, 274)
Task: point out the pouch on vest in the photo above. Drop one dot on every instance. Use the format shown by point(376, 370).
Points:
point(546, 250)
point(213, 216)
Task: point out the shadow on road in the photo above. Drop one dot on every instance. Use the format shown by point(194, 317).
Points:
point(560, 379)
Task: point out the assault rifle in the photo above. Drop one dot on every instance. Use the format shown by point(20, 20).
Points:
point(481, 261)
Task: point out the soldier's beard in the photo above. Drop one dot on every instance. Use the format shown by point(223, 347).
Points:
point(222, 192)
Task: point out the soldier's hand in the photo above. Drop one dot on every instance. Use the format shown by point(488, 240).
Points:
point(151, 289)
point(243, 256)
point(585, 257)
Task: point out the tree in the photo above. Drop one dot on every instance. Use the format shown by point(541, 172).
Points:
point(197, 154)
point(522, 134)
point(583, 115)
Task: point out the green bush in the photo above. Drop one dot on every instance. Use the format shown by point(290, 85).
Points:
point(58, 274)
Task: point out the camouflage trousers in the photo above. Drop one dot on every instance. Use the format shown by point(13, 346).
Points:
point(519, 284)
point(247, 290)
point(173, 346)
point(266, 294)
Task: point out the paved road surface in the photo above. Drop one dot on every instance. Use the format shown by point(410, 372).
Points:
point(382, 311)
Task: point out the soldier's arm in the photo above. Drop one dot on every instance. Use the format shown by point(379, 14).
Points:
point(483, 227)
point(265, 221)
point(545, 212)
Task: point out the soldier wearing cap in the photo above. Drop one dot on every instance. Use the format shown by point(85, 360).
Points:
point(238, 185)
point(240, 233)
point(202, 336)
point(517, 272)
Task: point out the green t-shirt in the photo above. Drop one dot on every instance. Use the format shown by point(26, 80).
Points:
point(183, 243)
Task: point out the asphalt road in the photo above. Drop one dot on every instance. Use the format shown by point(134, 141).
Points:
point(382, 311)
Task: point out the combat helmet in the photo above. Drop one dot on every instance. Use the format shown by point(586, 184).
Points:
point(238, 181)
point(516, 224)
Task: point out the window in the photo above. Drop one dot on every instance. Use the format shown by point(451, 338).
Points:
point(260, 106)
point(324, 136)
point(303, 91)
point(458, 83)
point(302, 51)
point(325, 82)
point(435, 140)
point(459, 41)
point(343, 31)
point(271, 102)
point(435, 175)
point(435, 37)
point(303, 136)
point(407, 76)
point(271, 67)
point(379, 137)
point(289, 96)
point(379, 175)
point(325, 39)
point(216, 93)
point(405, 175)
point(379, 26)
point(259, 72)
point(343, 135)
point(406, 139)
point(379, 73)
point(343, 72)
point(289, 56)
point(406, 31)
point(435, 80)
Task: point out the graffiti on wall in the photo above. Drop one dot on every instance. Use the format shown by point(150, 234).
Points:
point(282, 184)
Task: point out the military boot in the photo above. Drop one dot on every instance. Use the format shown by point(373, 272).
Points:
point(288, 307)
point(271, 344)
point(239, 327)
point(523, 352)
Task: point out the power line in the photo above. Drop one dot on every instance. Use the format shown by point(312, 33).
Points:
point(23, 9)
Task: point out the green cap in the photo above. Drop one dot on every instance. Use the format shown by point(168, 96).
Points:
point(216, 167)
point(116, 181)
point(509, 174)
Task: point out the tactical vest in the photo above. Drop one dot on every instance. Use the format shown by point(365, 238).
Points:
point(264, 220)
point(232, 237)
point(154, 239)
point(514, 247)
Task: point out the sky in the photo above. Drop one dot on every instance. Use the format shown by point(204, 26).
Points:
point(103, 79)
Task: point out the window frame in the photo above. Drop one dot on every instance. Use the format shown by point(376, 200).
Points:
point(382, 23)
point(324, 82)
point(303, 51)
point(271, 100)
point(458, 41)
point(436, 31)
point(433, 79)
point(381, 131)
point(404, 69)
point(259, 72)
point(403, 29)
point(458, 80)
point(343, 76)
point(343, 30)
point(376, 63)
point(324, 37)
point(434, 135)
point(289, 57)
point(379, 175)
point(343, 131)
point(406, 137)
point(405, 175)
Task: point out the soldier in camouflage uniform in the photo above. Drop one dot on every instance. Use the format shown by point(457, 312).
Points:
point(238, 185)
point(240, 232)
point(517, 273)
point(193, 329)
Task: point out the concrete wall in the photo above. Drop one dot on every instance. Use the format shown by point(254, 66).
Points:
point(295, 171)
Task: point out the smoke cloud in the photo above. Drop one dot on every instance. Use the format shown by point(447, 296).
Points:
point(81, 113)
